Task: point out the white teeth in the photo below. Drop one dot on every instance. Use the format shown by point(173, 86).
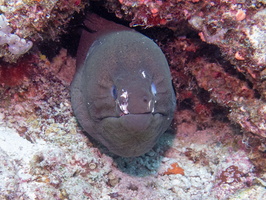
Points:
point(123, 106)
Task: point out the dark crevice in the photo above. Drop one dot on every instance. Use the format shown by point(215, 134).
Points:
point(97, 7)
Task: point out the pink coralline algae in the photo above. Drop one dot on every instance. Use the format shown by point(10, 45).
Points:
point(226, 90)
point(152, 13)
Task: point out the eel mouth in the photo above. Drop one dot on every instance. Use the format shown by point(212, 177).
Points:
point(139, 121)
point(132, 135)
point(128, 115)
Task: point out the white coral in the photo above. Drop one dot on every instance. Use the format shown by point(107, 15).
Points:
point(16, 45)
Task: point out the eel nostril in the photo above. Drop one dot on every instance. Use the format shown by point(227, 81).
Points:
point(145, 99)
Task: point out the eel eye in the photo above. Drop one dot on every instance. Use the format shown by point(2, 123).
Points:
point(153, 89)
point(114, 92)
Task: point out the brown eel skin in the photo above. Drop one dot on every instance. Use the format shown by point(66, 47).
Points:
point(122, 93)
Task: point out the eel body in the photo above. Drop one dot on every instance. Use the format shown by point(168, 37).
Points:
point(122, 93)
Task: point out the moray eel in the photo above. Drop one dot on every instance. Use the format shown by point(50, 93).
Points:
point(122, 93)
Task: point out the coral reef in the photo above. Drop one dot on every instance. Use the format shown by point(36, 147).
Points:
point(30, 21)
point(226, 90)
point(217, 58)
point(241, 40)
point(47, 156)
